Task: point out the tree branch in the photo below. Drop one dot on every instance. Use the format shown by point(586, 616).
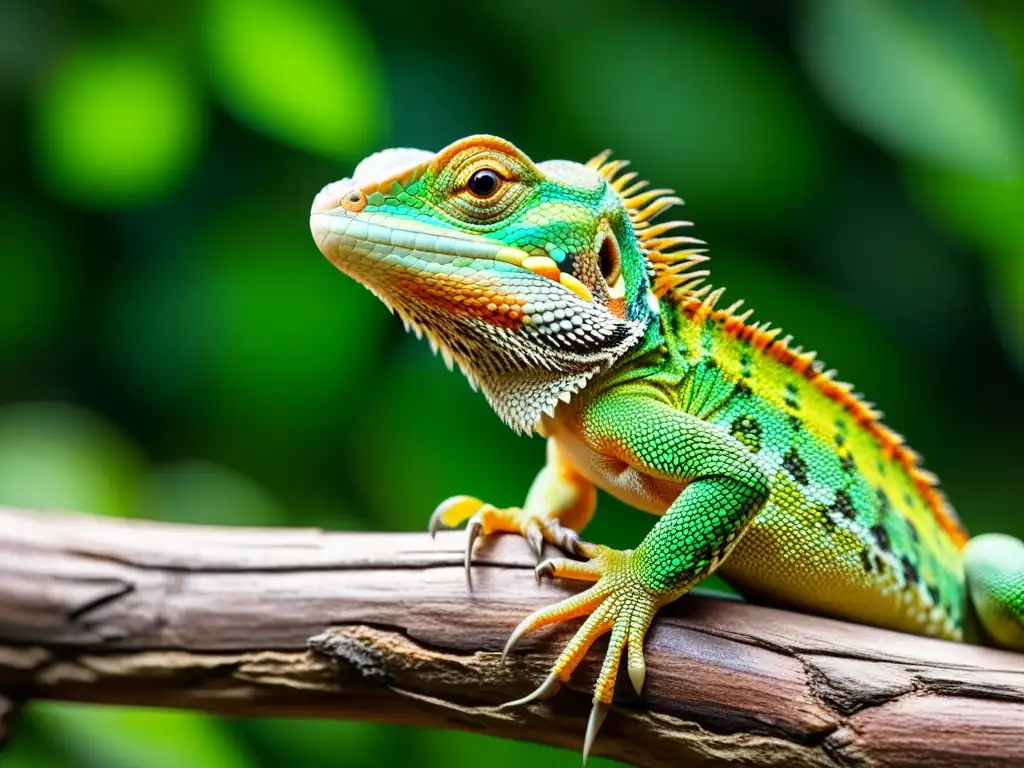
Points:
point(380, 627)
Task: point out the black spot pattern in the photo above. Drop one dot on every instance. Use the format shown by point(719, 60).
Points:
point(848, 465)
point(742, 389)
point(909, 570)
point(866, 561)
point(881, 536)
point(844, 505)
point(883, 502)
point(912, 529)
point(796, 466)
point(790, 398)
point(747, 431)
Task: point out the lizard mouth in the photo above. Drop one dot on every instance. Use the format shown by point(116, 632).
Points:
point(347, 234)
point(341, 235)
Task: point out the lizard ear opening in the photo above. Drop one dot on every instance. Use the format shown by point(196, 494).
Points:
point(610, 259)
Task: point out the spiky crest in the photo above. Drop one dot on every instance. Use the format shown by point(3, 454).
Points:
point(677, 276)
point(675, 262)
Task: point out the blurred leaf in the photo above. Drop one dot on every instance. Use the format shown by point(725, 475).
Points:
point(884, 256)
point(424, 435)
point(29, 35)
point(925, 78)
point(986, 212)
point(202, 492)
point(303, 71)
point(38, 273)
point(246, 325)
point(122, 737)
point(57, 456)
point(282, 742)
point(699, 105)
point(117, 124)
point(461, 749)
point(1006, 284)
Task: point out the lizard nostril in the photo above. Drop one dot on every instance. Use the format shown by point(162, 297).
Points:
point(354, 201)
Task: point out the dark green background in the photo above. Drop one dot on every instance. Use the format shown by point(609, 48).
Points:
point(173, 346)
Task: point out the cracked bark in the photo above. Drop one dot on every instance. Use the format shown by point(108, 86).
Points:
point(380, 627)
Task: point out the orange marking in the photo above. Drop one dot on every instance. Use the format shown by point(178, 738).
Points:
point(891, 443)
point(459, 297)
point(480, 142)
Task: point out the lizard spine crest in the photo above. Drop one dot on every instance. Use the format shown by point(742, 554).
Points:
point(678, 275)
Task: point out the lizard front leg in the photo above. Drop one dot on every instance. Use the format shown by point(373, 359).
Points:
point(558, 506)
point(723, 489)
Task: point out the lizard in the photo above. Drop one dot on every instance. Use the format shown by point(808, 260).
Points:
point(586, 319)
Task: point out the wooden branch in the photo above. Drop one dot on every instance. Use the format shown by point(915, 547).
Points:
point(380, 627)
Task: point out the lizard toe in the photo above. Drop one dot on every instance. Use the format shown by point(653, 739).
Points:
point(617, 603)
point(483, 519)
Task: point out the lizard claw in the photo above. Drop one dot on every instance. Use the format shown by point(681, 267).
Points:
point(473, 530)
point(617, 603)
point(483, 519)
point(535, 537)
point(597, 715)
point(545, 690)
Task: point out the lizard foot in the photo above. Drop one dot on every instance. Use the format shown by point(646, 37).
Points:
point(618, 603)
point(484, 518)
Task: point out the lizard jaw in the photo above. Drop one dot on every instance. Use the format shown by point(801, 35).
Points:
point(529, 340)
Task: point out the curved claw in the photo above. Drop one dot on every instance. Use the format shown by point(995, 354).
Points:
point(518, 632)
point(545, 690)
point(566, 538)
point(597, 716)
point(535, 537)
point(546, 568)
point(636, 665)
point(435, 523)
point(450, 507)
point(473, 530)
point(637, 675)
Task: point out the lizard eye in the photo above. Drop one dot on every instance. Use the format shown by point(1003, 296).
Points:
point(484, 182)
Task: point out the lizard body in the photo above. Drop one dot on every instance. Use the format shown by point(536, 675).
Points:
point(584, 321)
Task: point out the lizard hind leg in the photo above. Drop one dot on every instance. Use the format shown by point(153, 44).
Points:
point(995, 578)
point(559, 504)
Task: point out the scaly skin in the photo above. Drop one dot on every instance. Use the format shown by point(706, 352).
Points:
point(584, 322)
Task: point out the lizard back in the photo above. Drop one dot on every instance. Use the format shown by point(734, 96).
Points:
point(852, 510)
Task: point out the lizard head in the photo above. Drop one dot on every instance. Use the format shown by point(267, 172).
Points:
point(530, 276)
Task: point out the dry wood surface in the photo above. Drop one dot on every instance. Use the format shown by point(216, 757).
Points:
point(380, 627)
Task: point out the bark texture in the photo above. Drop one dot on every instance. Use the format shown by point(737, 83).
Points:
point(381, 627)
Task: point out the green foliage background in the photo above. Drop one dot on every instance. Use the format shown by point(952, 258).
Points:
point(172, 345)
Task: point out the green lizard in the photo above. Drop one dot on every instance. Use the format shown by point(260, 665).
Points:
point(587, 323)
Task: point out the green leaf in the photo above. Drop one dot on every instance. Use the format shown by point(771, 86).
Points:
point(56, 456)
point(203, 492)
point(246, 330)
point(984, 211)
point(39, 273)
point(122, 737)
point(116, 124)
point(1006, 286)
point(303, 71)
point(427, 421)
point(697, 104)
point(924, 78)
